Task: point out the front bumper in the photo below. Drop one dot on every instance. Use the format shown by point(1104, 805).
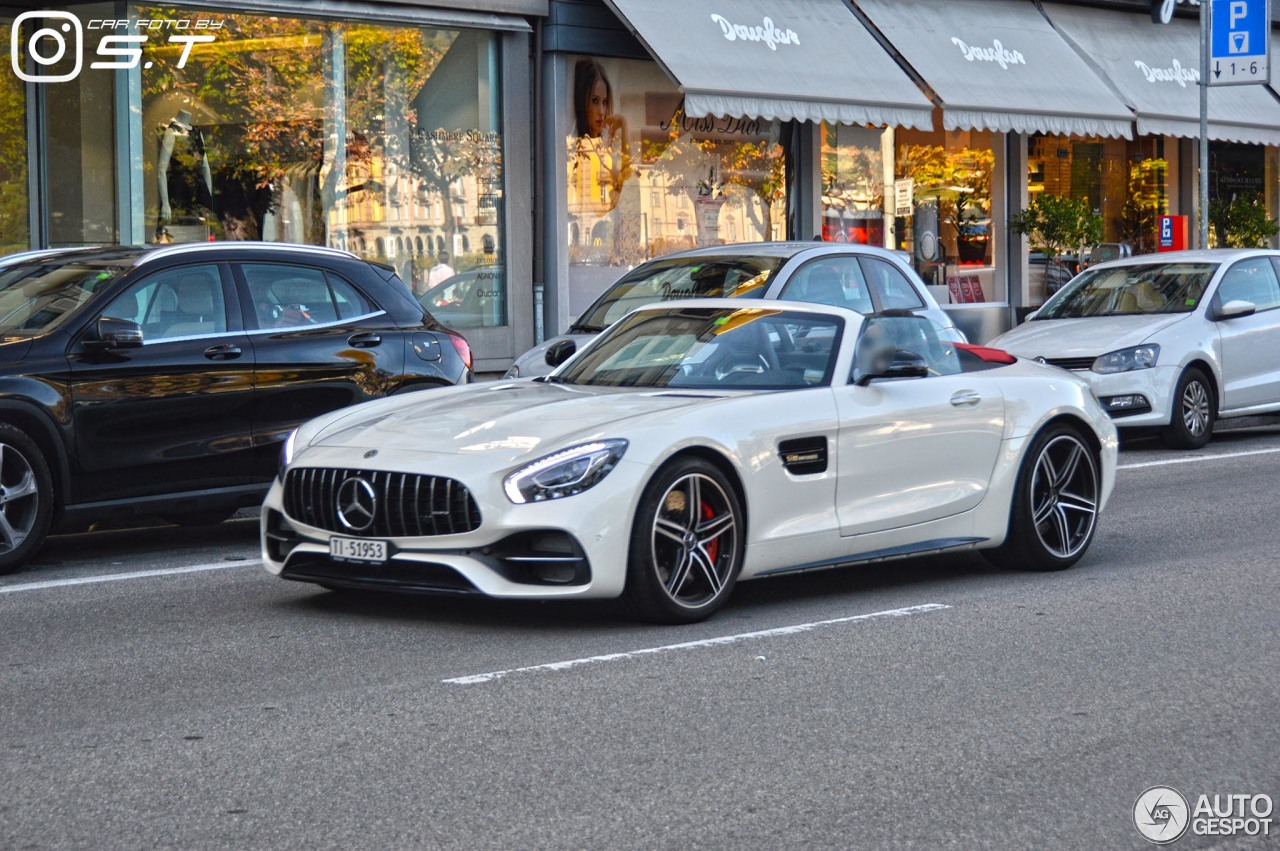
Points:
point(1155, 385)
point(571, 547)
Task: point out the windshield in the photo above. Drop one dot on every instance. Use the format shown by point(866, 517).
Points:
point(37, 295)
point(1131, 290)
point(711, 348)
point(685, 277)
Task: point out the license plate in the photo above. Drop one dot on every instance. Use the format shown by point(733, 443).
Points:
point(358, 549)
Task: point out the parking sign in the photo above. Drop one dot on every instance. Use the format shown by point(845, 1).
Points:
point(1239, 42)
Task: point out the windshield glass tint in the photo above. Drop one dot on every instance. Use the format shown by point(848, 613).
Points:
point(36, 296)
point(689, 277)
point(708, 348)
point(1131, 291)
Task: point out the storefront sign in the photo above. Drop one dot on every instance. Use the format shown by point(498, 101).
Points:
point(768, 33)
point(1162, 10)
point(1173, 233)
point(902, 192)
point(997, 53)
point(1175, 73)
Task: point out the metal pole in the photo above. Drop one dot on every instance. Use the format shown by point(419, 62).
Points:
point(1206, 7)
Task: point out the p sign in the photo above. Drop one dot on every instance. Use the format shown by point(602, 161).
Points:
point(1239, 42)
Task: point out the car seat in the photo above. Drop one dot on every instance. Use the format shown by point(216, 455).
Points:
point(823, 286)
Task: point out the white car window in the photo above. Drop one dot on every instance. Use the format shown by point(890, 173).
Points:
point(1252, 280)
point(836, 281)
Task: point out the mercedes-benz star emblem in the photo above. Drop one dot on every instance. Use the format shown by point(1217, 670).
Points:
point(357, 502)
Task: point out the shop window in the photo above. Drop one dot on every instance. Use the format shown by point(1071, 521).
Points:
point(15, 232)
point(645, 180)
point(311, 131)
point(853, 185)
point(1121, 184)
point(942, 211)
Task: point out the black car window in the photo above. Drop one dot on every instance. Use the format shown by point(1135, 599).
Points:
point(289, 296)
point(836, 281)
point(183, 302)
point(893, 288)
point(39, 294)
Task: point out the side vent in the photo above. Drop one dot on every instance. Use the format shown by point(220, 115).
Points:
point(804, 455)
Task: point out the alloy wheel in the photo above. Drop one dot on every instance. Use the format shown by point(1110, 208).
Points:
point(19, 498)
point(694, 540)
point(1064, 496)
point(1195, 408)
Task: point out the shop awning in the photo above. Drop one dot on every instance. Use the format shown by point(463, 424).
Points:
point(802, 60)
point(999, 65)
point(1156, 69)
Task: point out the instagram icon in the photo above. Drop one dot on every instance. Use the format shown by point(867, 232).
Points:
point(47, 45)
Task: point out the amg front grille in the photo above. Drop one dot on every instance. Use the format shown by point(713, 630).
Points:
point(1071, 363)
point(379, 504)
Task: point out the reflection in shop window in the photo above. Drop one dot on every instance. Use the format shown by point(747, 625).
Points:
point(853, 185)
point(14, 224)
point(645, 180)
point(346, 134)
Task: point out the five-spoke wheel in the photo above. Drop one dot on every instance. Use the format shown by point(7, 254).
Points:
point(1055, 506)
point(686, 544)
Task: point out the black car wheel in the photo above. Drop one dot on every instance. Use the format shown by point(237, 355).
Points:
point(1191, 425)
point(686, 544)
point(1055, 504)
point(26, 498)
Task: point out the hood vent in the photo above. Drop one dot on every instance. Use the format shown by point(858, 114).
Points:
point(804, 456)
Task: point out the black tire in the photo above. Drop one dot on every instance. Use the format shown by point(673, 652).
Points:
point(687, 544)
point(26, 498)
point(208, 517)
point(1055, 504)
point(1194, 410)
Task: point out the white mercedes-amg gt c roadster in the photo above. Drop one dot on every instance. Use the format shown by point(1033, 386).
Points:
point(692, 445)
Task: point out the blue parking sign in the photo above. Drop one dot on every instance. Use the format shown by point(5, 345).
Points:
point(1239, 42)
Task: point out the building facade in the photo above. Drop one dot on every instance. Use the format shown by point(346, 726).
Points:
point(543, 147)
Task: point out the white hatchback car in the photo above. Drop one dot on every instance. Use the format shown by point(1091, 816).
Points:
point(860, 277)
point(1173, 340)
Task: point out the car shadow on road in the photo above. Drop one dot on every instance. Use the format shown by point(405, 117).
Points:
point(854, 587)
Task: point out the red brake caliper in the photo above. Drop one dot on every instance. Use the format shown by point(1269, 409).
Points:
point(713, 548)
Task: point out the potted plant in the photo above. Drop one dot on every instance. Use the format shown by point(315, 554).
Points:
point(1054, 224)
point(1242, 223)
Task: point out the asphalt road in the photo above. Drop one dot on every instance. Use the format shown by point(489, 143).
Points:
point(223, 708)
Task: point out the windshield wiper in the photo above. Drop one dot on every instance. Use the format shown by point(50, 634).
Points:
point(583, 328)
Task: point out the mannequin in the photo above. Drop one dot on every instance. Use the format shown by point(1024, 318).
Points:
point(180, 128)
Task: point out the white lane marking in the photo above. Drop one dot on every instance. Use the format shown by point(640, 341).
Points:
point(690, 645)
point(1196, 459)
point(137, 574)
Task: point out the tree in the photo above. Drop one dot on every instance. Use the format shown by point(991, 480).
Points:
point(1243, 222)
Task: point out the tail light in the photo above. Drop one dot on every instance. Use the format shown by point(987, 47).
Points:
point(987, 353)
point(461, 346)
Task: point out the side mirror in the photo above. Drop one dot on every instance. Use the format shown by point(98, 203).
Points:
point(112, 333)
point(1236, 308)
point(903, 364)
point(561, 351)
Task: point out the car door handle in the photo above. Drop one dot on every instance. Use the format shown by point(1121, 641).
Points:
point(224, 352)
point(965, 398)
point(365, 340)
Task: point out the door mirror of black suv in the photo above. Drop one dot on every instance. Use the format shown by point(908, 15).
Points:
point(112, 333)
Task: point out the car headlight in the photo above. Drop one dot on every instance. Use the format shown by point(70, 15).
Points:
point(286, 452)
point(1127, 360)
point(513, 372)
point(564, 473)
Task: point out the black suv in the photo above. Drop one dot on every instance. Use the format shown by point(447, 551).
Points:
point(163, 381)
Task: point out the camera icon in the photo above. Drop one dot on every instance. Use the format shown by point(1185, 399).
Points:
point(47, 45)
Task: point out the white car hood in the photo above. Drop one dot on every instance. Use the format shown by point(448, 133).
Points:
point(508, 421)
point(1086, 337)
